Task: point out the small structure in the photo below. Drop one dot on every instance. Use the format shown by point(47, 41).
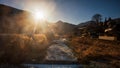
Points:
point(111, 38)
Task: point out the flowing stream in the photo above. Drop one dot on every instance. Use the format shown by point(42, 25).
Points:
point(58, 51)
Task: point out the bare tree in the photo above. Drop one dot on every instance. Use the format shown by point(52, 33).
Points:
point(97, 18)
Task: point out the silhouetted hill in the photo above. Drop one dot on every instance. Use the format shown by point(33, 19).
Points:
point(64, 27)
point(84, 24)
point(117, 20)
point(87, 23)
point(14, 20)
point(8, 11)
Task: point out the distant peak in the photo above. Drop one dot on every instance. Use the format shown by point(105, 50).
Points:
point(59, 21)
point(4, 5)
point(1, 4)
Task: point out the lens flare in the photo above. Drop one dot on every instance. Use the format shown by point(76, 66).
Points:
point(41, 9)
point(39, 14)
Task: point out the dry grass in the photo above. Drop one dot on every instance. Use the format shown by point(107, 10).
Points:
point(96, 50)
point(20, 48)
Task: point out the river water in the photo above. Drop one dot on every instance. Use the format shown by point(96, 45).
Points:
point(53, 66)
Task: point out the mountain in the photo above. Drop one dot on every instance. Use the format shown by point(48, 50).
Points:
point(64, 27)
point(8, 11)
point(117, 20)
point(14, 20)
point(86, 24)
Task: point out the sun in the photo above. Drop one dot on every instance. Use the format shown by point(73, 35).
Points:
point(39, 15)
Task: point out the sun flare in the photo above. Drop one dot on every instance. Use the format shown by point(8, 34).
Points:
point(39, 15)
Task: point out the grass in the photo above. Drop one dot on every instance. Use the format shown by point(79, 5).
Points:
point(102, 51)
point(20, 48)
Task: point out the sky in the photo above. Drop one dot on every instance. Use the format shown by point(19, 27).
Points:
point(72, 11)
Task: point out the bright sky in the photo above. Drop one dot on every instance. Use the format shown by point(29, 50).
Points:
point(72, 11)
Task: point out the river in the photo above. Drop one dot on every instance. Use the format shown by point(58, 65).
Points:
point(53, 66)
point(58, 51)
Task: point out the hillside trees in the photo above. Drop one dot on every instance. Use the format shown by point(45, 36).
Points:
point(97, 18)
